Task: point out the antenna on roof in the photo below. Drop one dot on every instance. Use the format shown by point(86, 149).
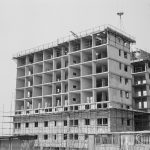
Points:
point(75, 35)
point(120, 14)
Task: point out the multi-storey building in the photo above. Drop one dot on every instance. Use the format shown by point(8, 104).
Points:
point(140, 62)
point(76, 87)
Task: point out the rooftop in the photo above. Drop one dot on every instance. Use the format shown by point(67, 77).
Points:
point(70, 37)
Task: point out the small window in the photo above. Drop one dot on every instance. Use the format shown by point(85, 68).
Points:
point(76, 122)
point(120, 79)
point(65, 122)
point(99, 121)
point(45, 137)
point(71, 136)
point(76, 136)
point(87, 121)
point(127, 94)
point(121, 93)
point(120, 66)
point(74, 61)
point(128, 107)
point(125, 68)
point(19, 125)
point(45, 123)
point(126, 81)
point(86, 136)
point(15, 125)
point(128, 122)
point(145, 104)
point(55, 123)
point(65, 136)
point(36, 137)
point(119, 52)
point(74, 99)
point(71, 123)
point(27, 124)
point(36, 124)
point(139, 105)
point(55, 137)
point(74, 73)
point(105, 121)
point(125, 55)
point(74, 86)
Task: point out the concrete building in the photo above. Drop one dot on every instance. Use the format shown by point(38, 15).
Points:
point(75, 87)
point(140, 62)
point(141, 79)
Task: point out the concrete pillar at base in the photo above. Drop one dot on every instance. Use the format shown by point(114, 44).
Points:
point(91, 142)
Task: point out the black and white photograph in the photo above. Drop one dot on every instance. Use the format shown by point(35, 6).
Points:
point(75, 75)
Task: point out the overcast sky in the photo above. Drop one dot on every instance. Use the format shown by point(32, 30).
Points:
point(27, 23)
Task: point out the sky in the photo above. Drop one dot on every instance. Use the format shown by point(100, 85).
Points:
point(28, 23)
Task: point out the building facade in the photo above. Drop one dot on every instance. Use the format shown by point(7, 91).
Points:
point(73, 88)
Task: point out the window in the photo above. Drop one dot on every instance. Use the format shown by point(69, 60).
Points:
point(71, 122)
point(87, 121)
point(71, 136)
point(127, 94)
point(55, 123)
point(120, 79)
point(86, 136)
point(128, 107)
point(17, 125)
point(119, 52)
point(145, 104)
point(74, 86)
point(125, 55)
point(128, 122)
point(139, 105)
point(27, 124)
point(65, 122)
point(65, 136)
point(99, 121)
point(125, 68)
point(36, 137)
point(55, 137)
point(76, 122)
point(76, 136)
point(74, 74)
point(45, 123)
point(74, 61)
point(120, 66)
point(74, 99)
point(45, 137)
point(36, 124)
point(105, 121)
point(126, 81)
point(121, 93)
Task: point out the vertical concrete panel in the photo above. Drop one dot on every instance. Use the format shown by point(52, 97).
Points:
point(4, 145)
point(91, 142)
point(16, 144)
point(27, 145)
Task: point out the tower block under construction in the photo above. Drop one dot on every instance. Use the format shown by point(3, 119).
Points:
point(75, 87)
